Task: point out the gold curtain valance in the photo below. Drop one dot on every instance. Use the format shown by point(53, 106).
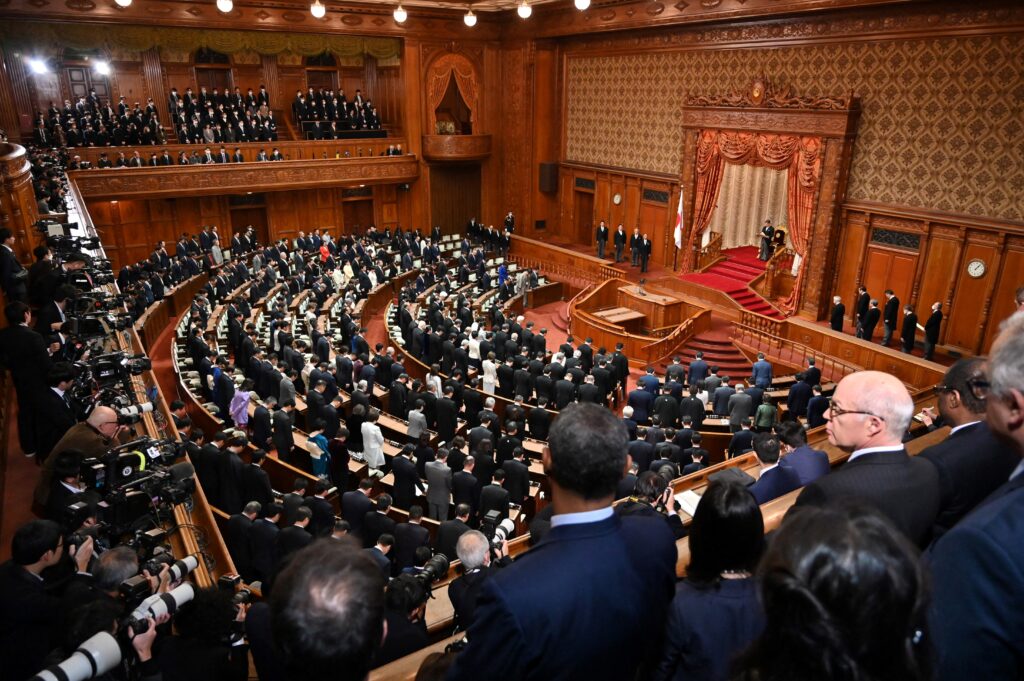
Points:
point(141, 38)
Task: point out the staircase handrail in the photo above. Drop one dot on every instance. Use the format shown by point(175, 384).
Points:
point(772, 345)
point(688, 328)
point(711, 252)
point(776, 264)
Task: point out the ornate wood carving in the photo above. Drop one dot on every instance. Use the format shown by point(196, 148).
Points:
point(456, 147)
point(18, 210)
point(242, 177)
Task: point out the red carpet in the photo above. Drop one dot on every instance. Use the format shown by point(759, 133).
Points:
point(733, 276)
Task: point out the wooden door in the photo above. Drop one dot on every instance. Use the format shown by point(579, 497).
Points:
point(322, 78)
point(887, 268)
point(584, 213)
point(358, 215)
point(219, 78)
point(81, 78)
point(454, 196)
point(256, 216)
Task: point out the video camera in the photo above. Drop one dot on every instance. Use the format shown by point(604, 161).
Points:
point(495, 529)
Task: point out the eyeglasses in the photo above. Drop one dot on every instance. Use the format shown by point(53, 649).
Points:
point(835, 412)
point(980, 386)
point(941, 388)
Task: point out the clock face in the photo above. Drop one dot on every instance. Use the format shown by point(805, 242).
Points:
point(617, 199)
point(976, 268)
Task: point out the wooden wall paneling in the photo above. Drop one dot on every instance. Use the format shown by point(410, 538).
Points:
point(888, 268)
point(45, 88)
point(494, 202)
point(1008, 277)
point(351, 79)
point(941, 259)
point(386, 196)
point(412, 97)
point(965, 317)
point(9, 118)
point(651, 217)
point(129, 81)
point(631, 204)
point(566, 214)
point(153, 75)
point(284, 218)
point(852, 242)
point(543, 97)
point(290, 79)
point(279, 100)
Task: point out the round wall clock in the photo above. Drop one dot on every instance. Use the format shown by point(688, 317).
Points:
point(617, 199)
point(976, 268)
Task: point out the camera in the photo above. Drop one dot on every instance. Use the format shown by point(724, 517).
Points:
point(95, 657)
point(495, 529)
point(158, 605)
point(434, 570)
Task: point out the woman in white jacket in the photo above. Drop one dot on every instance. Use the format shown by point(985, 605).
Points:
point(490, 367)
point(373, 443)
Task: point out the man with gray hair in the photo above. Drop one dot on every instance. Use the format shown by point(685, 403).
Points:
point(474, 551)
point(977, 615)
point(868, 417)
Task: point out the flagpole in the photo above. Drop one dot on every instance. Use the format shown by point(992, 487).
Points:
point(678, 231)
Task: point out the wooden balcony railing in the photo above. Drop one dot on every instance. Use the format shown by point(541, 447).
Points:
point(665, 346)
point(711, 253)
point(578, 270)
point(779, 349)
point(777, 280)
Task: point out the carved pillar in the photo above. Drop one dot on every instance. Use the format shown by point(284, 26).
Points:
point(18, 210)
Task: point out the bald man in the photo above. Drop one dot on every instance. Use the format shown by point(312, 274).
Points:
point(93, 437)
point(869, 414)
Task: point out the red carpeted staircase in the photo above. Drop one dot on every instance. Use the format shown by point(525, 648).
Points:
point(718, 351)
point(733, 276)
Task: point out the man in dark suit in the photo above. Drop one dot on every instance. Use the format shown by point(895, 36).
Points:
point(517, 477)
point(377, 522)
point(494, 497)
point(237, 538)
point(56, 411)
point(450, 531)
point(409, 537)
point(291, 501)
point(466, 486)
point(871, 411)
point(447, 415)
point(971, 462)
point(620, 242)
point(871, 318)
point(263, 542)
point(863, 303)
point(379, 553)
point(356, 504)
point(284, 441)
point(838, 314)
point(292, 538)
point(809, 464)
point(13, 276)
point(977, 614)
point(909, 330)
point(774, 480)
point(890, 316)
point(816, 408)
point(322, 523)
point(602, 239)
point(931, 330)
point(698, 370)
point(407, 478)
point(561, 621)
point(539, 419)
point(642, 402)
point(800, 394)
point(255, 481)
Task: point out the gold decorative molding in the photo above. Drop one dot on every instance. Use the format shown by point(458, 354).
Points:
point(237, 178)
point(762, 94)
point(456, 147)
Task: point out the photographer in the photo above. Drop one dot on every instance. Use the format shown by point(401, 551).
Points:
point(405, 607)
point(93, 438)
point(85, 623)
point(23, 353)
point(652, 496)
point(208, 643)
point(30, 615)
point(474, 550)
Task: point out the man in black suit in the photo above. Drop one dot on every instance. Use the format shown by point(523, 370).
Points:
point(495, 497)
point(517, 477)
point(602, 239)
point(890, 316)
point(634, 246)
point(255, 481)
point(812, 374)
point(838, 314)
point(466, 487)
point(871, 411)
point(407, 478)
point(863, 303)
point(799, 395)
point(23, 353)
point(620, 242)
point(379, 553)
point(229, 475)
point(409, 537)
point(292, 538)
point(57, 413)
point(909, 330)
point(13, 276)
point(291, 501)
point(263, 542)
point(447, 412)
point(450, 531)
point(645, 252)
point(931, 330)
point(539, 419)
point(377, 522)
point(322, 522)
point(284, 441)
point(971, 462)
point(871, 318)
point(356, 504)
point(237, 538)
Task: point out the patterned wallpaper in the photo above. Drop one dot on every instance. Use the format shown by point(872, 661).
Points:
point(942, 124)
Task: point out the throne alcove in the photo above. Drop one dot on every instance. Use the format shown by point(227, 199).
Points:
point(811, 138)
point(453, 100)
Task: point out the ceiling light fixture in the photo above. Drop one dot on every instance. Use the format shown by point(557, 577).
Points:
point(317, 9)
point(38, 66)
point(400, 14)
point(581, 4)
point(123, 3)
point(524, 10)
point(101, 67)
point(470, 18)
point(225, 5)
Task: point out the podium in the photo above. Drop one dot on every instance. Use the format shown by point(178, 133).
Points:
point(660, 309)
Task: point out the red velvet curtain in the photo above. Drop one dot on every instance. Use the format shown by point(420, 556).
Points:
point(800, 155)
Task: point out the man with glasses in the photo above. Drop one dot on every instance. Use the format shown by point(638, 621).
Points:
point(868, 417)
point(971, 462)
point(977, 615)
point(93, 437)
